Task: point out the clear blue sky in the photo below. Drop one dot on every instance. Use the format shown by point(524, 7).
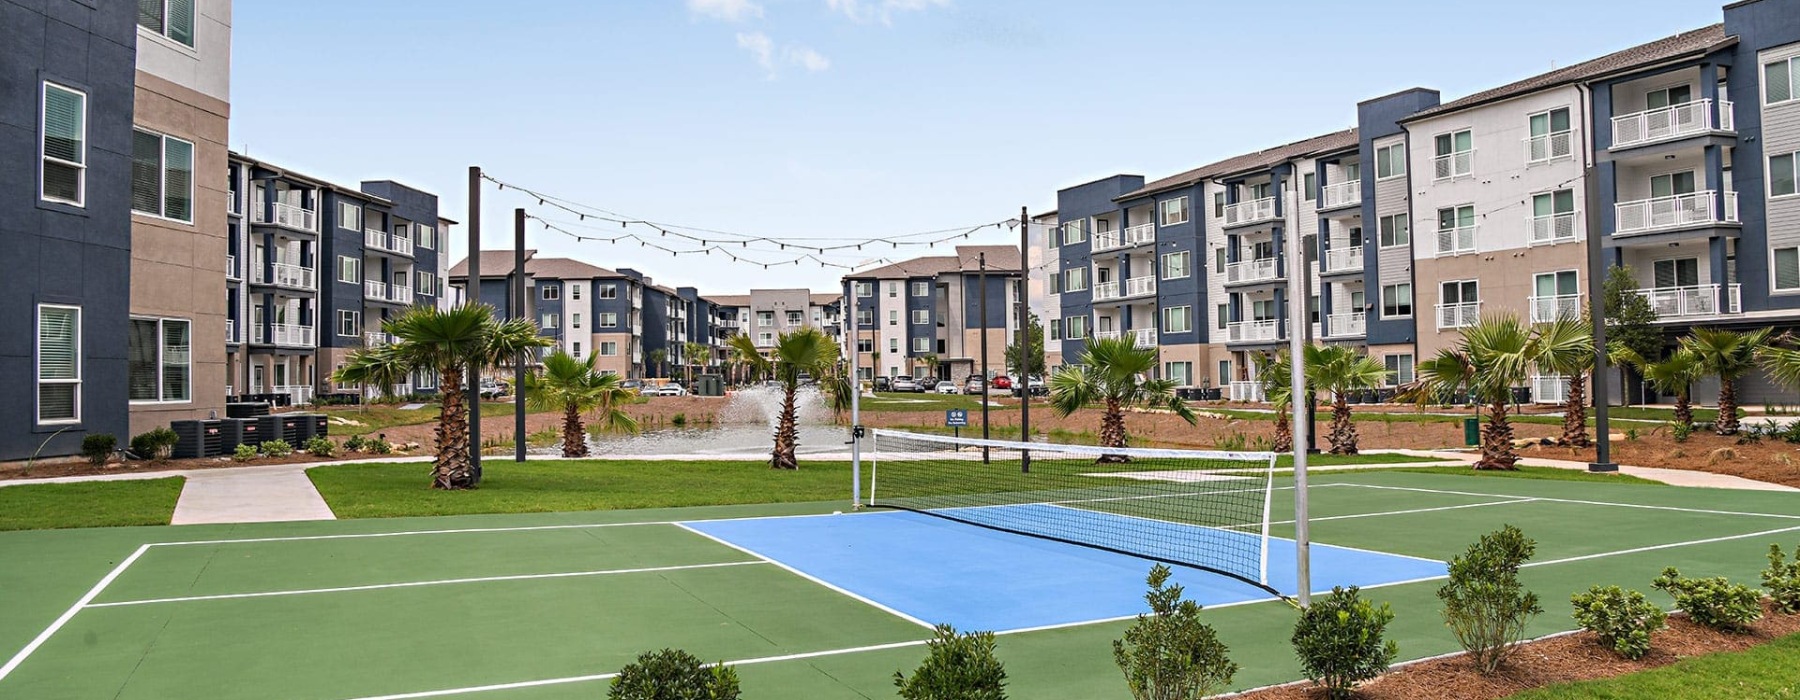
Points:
point(848, 117)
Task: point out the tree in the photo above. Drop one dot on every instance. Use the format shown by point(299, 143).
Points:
point(805, 351)
point(1675, 374)
point(1341, 370)
point(1494, 355)
point(1170, 654)
point(382, 367)
point(1728, 355)
point(749, 357)
point(698, 355)
point(1782, 361)
point(447, 341)
point(956, 667)
point(659, 359)
point(1575, 368)
point(929, 361)
point(1275, 374)
point(1629, 319)
point(1027, 360)
point(1112, 372)
point(573, 387)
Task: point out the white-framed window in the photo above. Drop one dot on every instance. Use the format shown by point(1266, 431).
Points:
point(1176, 265)
point(893, 346)
point(575, 320)
point(1075, 279)
point(349, 323)
point(609, 291)
point(795, 318)
point(1218, 205)
point(1182, 373)
point(349, 269)
point(427, 237)
point(1786, 263)
point(893, 289)
point(427, 284)
point(1309, 186)
point(1078, 327)
point(1219, 261)
point(865, 345)
point(1399, 369)
point(1781, 81)
point(1782, 174)
point(549, 321)
point(1055, 328)
point(170, 18)
point(765, 319)
point(1224, 373)
point(350, 216)
point(1550, 137)
point(865, 289)
point(1390, 161)
point(893, 317)
point(865, 317)
point(63, 145)
point(1396, 300)
point(607, 320)
point(1174, 211)
point(1177, 319)
point(609, 348)
point(1396, 231)
point(921, 345)
point(551, 292)
point(921, 289)
point(1454, 154)
point(921, 317)
point(159, 360)
point(1074, 232)
point(1224, 316)
point(575, 349)
point(58, 364)
point(575, 291)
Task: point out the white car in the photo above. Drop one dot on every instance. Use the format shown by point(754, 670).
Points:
point(671, 390)
point(947, 387)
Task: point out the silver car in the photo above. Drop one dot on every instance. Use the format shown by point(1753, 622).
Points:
point(903, 383)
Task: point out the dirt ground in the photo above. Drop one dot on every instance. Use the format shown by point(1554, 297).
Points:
point(1563, 659)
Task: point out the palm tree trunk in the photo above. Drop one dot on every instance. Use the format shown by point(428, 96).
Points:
point(1112, 432)
point(1684, 409)
point(787, 433)
point(1496, 441)
point(574, 434)
point(1727, 423)
point(453, 469)
point(1343, 432)
point(1284, 432)
point(1575, 414)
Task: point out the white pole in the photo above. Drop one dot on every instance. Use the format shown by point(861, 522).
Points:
point(1298, 320)
point(855, 426)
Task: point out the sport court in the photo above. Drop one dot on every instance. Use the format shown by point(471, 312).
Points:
point(809, 605)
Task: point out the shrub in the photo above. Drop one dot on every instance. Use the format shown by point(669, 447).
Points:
point(1715, 602)
point(1485, 605)
point(958, 667)
point(155, 445)
point(98, 448)
point(276, 448)
point(1631, 434)
point(1624, 620)
point(244, 453)
point(1723, 454)
point(1232, 441)
point(377, 446)
point(679, 420)
point(1782, 580)
point(673, 674)
point(321, 447)
point(1170, 654)
point(1681, 431)
point(1339, 641)
point(356, 443)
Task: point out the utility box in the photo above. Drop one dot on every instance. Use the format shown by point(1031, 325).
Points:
point(197, 438)
point(709, 385)
point(1472, 431)
point(239, 431)
point(246, 409)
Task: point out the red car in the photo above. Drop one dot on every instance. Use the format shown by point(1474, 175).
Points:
point(1002, 382)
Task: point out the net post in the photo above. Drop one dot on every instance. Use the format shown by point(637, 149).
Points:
point(1298, 328)
point(856, 434)
point(1262, 573)
point(874, 463)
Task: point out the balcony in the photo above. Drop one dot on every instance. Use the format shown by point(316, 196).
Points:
point(1250, 212)
point(231, 268)
point(1108, 335)
point(1250, 392)
point(297, 394)
point(1143, 337)
point(1106, 291)
point(1350, 325)
point(1140, 286)
point(1549, 389)
point(231, 330)
point(1548, 309)
point(400, 293)
point(1343, 260)
point(1552, 229)
point(284, 334)
point(375, 291)
point(1689, 302)
point(1342, 194)
point(1458, 315)
point(375, 340)
point(1131, 237)
point(1258, 270)
point(1549, 147)
point(287, 275)
point(1253, 331)
point(376, 239)
point(1453, 165)
point(288, 215)
point(1456, 241)
point(1672, 122)
point(1675, 212)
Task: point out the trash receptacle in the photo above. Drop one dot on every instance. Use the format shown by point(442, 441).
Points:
point(1472, 431)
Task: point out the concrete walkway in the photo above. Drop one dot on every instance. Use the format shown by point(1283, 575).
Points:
point(272, 493)
point(1672, 477)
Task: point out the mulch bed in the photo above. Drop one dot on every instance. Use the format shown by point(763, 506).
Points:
point(1563, 659)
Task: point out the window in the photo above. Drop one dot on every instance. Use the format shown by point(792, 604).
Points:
point(1055, 327)
point(1453, 154)
point(795, 318)
point(1673, 95)
point(350, 216)
point(921, 289)
point(1077, 327)
point(1224, 372)
point(1056, 282)
point(574, 320)
point(921, 345)
point(1781, 174)
point(427, 236)
point(1456, 230)
point(609, 291)
point(1396, 300)
point(1390, 161)
point(1075, 279)
point(1174, 211)
point(551, 292)
point(865, 289)
point(1781, 81)
point(1310, 186)
point(349, 323)
point(1182, 373)
point(1224, 317)
point(1563, 283)
point(1676, 272)
point(1399, 369)
point(549, 321)
point(1219, 260)
point(893, 317)
point(609, 348)
point(921, 317)
point(1460, 292)
point(1396, 231)
point(1177, 319)
point(349, 269)
point(575, 292)
point(865, 317)
point(171, 18)
point(1074, 232)
point(765, 319)
point(893, 346)
point(607, 320)
point(158, 358)
point(865, 345)
point(1218, 205)
point(1175, 265)
point(1787, 269)
point(64, 150)
point(59, 364)
point(427, 284)
point(1549, 136)
point(893, 289)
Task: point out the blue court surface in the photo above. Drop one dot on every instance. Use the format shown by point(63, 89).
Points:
point(975, 578)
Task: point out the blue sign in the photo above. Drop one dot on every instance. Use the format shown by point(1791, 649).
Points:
point(956, 418)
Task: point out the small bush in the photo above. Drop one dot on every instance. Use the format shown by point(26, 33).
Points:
point(1715, 602)
point(1783, 459)
point(1723, 454)
point(1339, 641)
point(377, 446)
point(1232, 442)
point(321, 447)
point(1170, 654)
point(98, 448)
point(673, 674)
point(155, 445)
point(276, 448)
point(244, 453)
point(1681, 431)
point(356, 443)
point(1782, 580)
point(1485, 605)
point(1631, 434)
point(679, 420)
point(958, 667)
point(1624, 620)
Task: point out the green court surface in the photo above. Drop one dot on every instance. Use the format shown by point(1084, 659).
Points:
point(544, 606)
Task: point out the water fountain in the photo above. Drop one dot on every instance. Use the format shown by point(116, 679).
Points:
point(746, 425)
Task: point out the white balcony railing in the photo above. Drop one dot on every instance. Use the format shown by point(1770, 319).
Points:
point(284, 334)
point(1547, 309)
point(401, 245)
point(1672, 122)
point(1253, 331)
point(1551, 229)
point(231, 330)
point(287, 275)
point(375, 291)
point(1350, 325)
point(1108, 335)
point(1698, 300)
point(1343, 259)
point(1141, 234)
point(297, 394)
point(1143, 337)
point(1106, 291)
point(1456, 241)
point(377, 339)
point(1678, 211)
point(1250, 391)
point(231, 268)
point(290, 216)
point(1140, 286)
point(1250, 212)
point(402, 293)
point(1549, 388)
point(1106, 240)
point(1256, 270)
point(1454, 165)
point(1549, 147)
point(1458, 315)
point(1340, 194)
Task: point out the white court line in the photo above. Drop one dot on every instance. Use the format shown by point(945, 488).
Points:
point(416, 584)
point(92, 593)
point(1246, 534)
point(1548, 499)
point(521, 528)
point(810, 577)
point(1399, 512)
point(1656, 547)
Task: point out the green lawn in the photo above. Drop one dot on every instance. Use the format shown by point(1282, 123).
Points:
point(374, 419)
point(888, 401)
point(89, 504)
point(1766, 671)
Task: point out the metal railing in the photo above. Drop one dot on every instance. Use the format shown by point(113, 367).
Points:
point(1350, 325)
point(1140, 286)
point(297, 394)
point(1454, 165)
point(1130, 237)
point(1141, 234)
point(1106, 291)
point(1549, 388)
point(1340, 194)
point(1672, 122)
point(1547, 309)
point(377, 339)
point(1549, 147)
point(1458, 315)
point(1456, 241)
point(1697, 300)
point(231, 268)
point(231, 330)
point(288, 215)
point(1143, 337)
point(1250, 391)
point(400, 293)
point(1252, 271)
point(1251, 211)
point(285, 334)
point(1108, 335)
point(1106, 240)
point(1343, 259)
point(1675, 211)
point(1552, 228)
point(376, 291)
point(287, 275)
point(1252, 331)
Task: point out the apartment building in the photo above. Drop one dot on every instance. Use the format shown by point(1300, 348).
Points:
point(923, 317)
point(588, 310)
point(766, 314)
point(1045, 305)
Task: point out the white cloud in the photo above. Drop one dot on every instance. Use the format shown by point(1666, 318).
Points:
point(806, 58)
point(880, 10)
point(762, 48)
point(727, 10)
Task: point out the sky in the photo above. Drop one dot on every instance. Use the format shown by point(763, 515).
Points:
point(853, 119)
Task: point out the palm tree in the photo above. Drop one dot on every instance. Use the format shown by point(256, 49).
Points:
point(447, 341)
point(573, 387)
point(748, 356)
point(930, 362)
point(1494, 355)
point(1342, 370)
point(698, 355)
point(805, 351)
point(657, 358)
point(381, 367)
point(1275, 373)
point(1728, 355)
point(1112, 372)
point(1781, 361)
point(1575, 367)
point(1675, 374)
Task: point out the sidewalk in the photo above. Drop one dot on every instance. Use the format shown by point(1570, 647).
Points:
point(1672, 477)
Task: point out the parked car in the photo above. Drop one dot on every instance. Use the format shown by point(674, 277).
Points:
point(926, 384)
point(975, 384)
point(671, 389)
point(947, 387)
point(903, 383)
point(1002, 382)
point(881, 384)
point(634, 385)
point(1037, 384)
point(491, 389)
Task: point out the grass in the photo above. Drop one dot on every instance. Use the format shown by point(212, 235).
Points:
point(1456, 414)
point(887, 401)
point(1764, 671)
point(89, 504)
point(374, 419)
